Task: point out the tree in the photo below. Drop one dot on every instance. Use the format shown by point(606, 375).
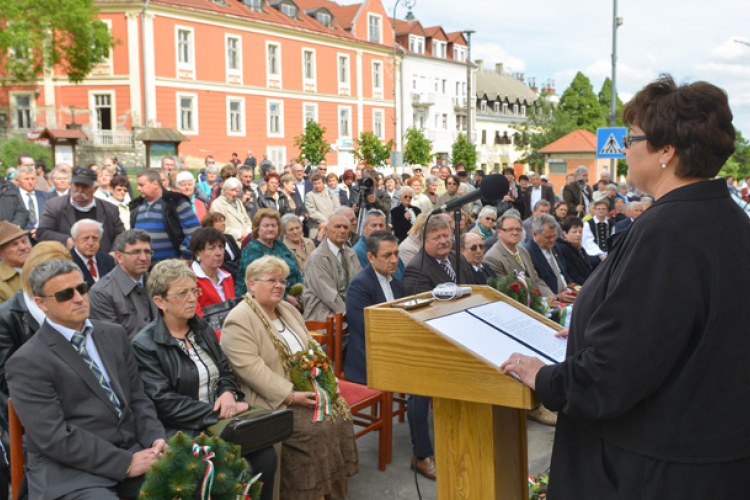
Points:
point(545, 125)
point(40, 34)
point(10, 149)
point(738, 165)
point(417, 148)
point(370, 150)
point(312, 144)
point(465, 151)
point(605, 99)
point(581, 104)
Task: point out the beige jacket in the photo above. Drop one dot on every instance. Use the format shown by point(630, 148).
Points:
point(253, 356)
point(10, 281)
point(301, 254)
point(238, 222)
point(502, 262)
point(320, 293)
point(319, 207)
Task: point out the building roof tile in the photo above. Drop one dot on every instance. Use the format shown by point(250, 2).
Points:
point(577, 141)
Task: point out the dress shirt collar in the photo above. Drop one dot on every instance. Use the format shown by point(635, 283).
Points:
point(334, 249)
point(198, 270)
point(69, 332)
point(508, 249)
point(85, 259)
point(34, 309)
point(385, 285)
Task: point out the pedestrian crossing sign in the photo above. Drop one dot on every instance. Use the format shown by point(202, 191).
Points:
point(609, 142)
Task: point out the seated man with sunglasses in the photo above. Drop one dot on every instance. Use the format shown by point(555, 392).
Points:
point(120, 297)
point(91, 432)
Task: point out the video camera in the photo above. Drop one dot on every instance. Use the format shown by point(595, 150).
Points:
point(366, 185)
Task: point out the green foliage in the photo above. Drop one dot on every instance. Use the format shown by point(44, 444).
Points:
point(605, 100)
point(44, 33)
point(581, 104)
point(10, 149)
point(370, 150)
point(179, 473)
point(465, 151)
point(521, 290)
point(312, 144)
point(417, 148)
point(738, 164)
point(545, 125)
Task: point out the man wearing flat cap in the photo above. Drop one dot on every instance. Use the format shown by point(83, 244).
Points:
point(14, 248)
point(62, 212)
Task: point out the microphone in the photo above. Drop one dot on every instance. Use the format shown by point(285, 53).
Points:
point(492, 189)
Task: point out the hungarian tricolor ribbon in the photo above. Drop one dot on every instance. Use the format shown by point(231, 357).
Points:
point(208, 477)
point(322, 400)
point(521, 277)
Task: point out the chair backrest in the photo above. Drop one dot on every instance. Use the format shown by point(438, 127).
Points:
point(15, 431)
point(325, 339)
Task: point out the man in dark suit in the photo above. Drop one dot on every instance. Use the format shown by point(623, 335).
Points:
point(633, 210)
point(60, 213)
point(536, 191)
point(33, 199)
point(578, 194)
point(94, 264)
point(545, 254)
point(472, 249)
point(303, 184)
point(91, 432)
point(439, 260)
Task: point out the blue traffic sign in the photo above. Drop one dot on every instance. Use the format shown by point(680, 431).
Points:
point(609, 142)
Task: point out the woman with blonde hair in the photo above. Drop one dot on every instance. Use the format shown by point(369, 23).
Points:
point(260, 337)
point(408, 248)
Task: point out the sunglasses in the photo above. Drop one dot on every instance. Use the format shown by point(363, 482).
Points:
point(68, 293)
point(476, 247)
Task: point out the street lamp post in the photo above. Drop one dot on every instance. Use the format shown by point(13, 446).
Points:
point(468, 34)
point(398, 135)
point(616, 23)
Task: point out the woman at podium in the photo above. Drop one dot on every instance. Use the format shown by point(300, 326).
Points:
point(653, 396)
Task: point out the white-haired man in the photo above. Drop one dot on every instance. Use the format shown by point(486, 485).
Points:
point(93, 263)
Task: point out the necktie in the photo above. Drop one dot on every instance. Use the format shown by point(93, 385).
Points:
point(449, 269)
point(79, 343)
point(518, 259)
point(344, 263)
point(32, 211)
point(601, 235)
point(92, 269)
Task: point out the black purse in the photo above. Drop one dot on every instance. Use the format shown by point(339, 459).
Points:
point(255, 429)
point(215, 314)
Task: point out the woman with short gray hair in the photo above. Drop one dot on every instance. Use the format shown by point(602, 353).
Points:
point(301, 247)
point(229, 204)
point(485, 226)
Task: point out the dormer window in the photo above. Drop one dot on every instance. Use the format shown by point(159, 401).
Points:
point(416, 44)
point(324, 18)
point(255, 5)
point(289, 10)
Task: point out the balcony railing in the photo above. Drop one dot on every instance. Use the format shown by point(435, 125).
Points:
point(111, 138)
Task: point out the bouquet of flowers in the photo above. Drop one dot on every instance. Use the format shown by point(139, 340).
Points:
point(519, 288)
point(312, 372)
point(538, 486)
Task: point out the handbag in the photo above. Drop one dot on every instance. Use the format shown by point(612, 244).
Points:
point(255, 429)
point(215, 314)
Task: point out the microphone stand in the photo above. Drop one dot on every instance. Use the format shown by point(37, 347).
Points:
point(457, 236)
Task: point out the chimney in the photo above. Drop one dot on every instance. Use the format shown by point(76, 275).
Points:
point(480, 64)
point(499, 69)
point(551, 85)
point(532, 84)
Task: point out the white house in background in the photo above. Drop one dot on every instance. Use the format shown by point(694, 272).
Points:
point(434, 83)
point(502, 101)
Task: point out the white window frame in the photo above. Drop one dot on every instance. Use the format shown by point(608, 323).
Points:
point(107, 66)
point(269, 132)
point(523, 110)
point(314, 79)
point(242, 132)
point(277, 155)
point(371, 16)
point(381, 114)
point(312, 105)
point(505, 108)
point(377, 86)
point(329, 22)
point(194, 97)
point(189, 65)
point(347, 83)
point(483, 106)
point(292, 6)
point(273, 76)
point(338, 119)
point(252, 7)
point(236, 72)
point(515, 109)
point(14, 109)
point(496, 106)
point(93, 118)
point(416, 44)
point(459, 53)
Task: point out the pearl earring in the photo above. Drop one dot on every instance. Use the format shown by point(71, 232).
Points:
point(663, 165)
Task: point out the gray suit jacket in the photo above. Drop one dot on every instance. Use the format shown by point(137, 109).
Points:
point(59, 216)
point(502, 262)
point(320, 293)
point(116, 298)
point(74, 437)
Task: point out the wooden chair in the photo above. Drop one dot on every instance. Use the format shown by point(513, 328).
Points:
point(15, 431)
point(324, 339)
point(371, 409)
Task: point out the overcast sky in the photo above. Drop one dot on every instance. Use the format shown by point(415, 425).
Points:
point(546, 39)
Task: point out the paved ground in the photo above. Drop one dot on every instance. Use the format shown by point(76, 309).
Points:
point(397, 481)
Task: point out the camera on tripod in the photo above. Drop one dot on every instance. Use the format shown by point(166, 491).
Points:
point(366, 185)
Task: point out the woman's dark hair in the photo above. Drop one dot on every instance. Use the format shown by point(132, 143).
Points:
point(265, 213)
point(212, 218)
point(205, 236)
point(454, 178)
point(317, 177)
point(571, 222)
point(348, 175)
point(119, 181)
point(272, 175)
point(694, 118)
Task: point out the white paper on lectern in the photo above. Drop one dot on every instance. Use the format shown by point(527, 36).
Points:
point(488, 331)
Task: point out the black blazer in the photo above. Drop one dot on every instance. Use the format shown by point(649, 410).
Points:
point(59, 216)
point(543, 268)
point(74, 436)
point(232, 264)
point(170, 377)
point(364, 290)
point(547, 194)
point(578, 263)
point(482, 274)
point(432, 273)
point(104, 264)
point(400, 223)
point(266, 201)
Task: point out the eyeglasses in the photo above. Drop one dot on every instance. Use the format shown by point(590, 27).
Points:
point(628, 140)
point(512, 230)
point(274, 282)
point(182, 295)
point(493, 219)
point(138, 252)
point(476, 247)
point(69, 293)
point(407, 196)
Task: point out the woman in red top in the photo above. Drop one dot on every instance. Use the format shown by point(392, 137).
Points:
point(215, 284)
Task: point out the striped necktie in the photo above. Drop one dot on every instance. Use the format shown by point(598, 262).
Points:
point(79, 343)
point(448, 269)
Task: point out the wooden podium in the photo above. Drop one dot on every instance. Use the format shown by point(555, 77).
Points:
point(479, 413)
